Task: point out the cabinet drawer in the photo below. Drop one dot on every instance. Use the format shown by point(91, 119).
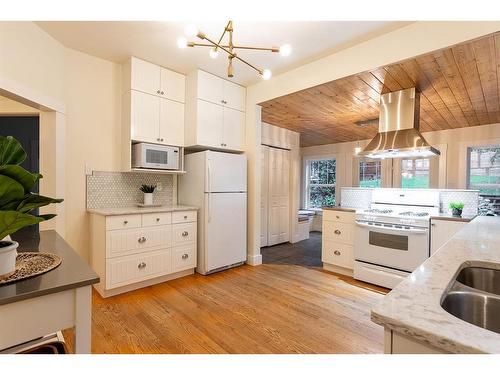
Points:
point(138, 267)
point(183, 257)
point(124, 242)
point(123, 222)
point(184, 216)
point(155, 219)
point(342, 216)
point(339, 232)
point(183, 233)
point(338, 254)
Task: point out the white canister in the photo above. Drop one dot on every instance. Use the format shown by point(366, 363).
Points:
point(8, 255)
point(148, 199)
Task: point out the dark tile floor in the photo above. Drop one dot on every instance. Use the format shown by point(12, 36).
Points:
point(304, 253)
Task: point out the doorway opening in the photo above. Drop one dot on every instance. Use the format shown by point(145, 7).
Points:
point(26, 129)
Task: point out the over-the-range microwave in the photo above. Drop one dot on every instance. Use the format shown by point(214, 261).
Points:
point(151, 156)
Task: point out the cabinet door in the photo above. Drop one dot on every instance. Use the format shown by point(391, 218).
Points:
point(171, 122)
point(145, 77)
point(278, 221)
point(442, 231)
point(173, 85)
point(264, 173)
point(210, 88)
point(145, 117)
point(234, 96)
point(234, 129)
point(209, 124)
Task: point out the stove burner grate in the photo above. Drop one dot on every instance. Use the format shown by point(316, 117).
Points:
point(414, 214)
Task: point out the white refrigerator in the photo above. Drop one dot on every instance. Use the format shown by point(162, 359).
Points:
point(216, 182)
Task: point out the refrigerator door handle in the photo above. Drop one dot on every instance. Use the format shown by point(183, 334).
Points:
point(209, 176)
point(208, 209)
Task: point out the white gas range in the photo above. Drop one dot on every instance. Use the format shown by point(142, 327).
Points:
point(392, 237)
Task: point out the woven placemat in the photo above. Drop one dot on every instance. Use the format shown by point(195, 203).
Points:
point(31, 264)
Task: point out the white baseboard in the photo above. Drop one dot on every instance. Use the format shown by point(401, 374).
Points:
point(254, 260)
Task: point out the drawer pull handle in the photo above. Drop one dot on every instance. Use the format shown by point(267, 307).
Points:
point(141, 265)
point(185, 256)
point(157, 219)
point(184, 234)
point(336, 252)
point(185, 217)
point(125, 222)
point(142, 239)
point(337, 231)
point(338, 217)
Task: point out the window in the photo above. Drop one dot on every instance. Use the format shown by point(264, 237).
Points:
point(320, 183)
point(370, 173)
point(484, 169)
point(415, 173)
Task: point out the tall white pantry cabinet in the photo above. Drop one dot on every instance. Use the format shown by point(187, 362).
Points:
point(215, 113)
point(152, 106)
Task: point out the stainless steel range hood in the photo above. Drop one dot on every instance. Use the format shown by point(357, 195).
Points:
point(398, 135)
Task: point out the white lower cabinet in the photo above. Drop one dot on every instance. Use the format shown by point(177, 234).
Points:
point(337, 249)
point(442, 230)
point(137, 250)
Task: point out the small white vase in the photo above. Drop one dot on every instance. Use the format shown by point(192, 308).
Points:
point(8, 254)
point(148, 199)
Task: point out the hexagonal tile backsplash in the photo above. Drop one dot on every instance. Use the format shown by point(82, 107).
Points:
point(121, 189)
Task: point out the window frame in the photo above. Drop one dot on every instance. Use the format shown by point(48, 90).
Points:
point(468, 163)
point(429, 173)
point(307, 185)
point(365, 160)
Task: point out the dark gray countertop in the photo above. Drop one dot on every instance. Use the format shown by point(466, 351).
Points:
point(72, 273)
point(443, 216)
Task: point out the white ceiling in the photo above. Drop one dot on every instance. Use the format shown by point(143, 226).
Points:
point(157, 42)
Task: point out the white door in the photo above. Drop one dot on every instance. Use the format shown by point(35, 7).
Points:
point(173, 85)
point(210, 124)
point(234, 96)
point(226, 172)
point(226, 229)
point(145, 117)
point(264, 185)
point(171, 122)
point(234, 130)
point(145, 77)
point(279, 196)
point(210, 88)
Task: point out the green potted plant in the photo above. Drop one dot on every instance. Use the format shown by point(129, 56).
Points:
point(456, 208)
point(17, 202)
point(148, 191)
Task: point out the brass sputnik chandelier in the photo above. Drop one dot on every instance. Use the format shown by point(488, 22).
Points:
point(230, 48)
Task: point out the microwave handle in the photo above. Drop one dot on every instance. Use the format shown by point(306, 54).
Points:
point(416, 231)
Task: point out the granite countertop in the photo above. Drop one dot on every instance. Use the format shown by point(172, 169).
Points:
point(139, 210)
point(413, 308)
point(72, 273)
point(345, 209)
point(449, 217)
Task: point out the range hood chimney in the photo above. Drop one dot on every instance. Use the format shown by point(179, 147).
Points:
point(398, 135)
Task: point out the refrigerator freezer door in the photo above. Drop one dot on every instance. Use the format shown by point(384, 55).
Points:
point(226, 229)
point(226, 172)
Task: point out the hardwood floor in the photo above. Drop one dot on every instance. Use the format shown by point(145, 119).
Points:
point(284, 306)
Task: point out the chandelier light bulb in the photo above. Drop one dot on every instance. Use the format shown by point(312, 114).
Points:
point(266, 74)
point(285, 50)
point(357, 150)
point(214, 53)
point(182, 42)
point(191, 30)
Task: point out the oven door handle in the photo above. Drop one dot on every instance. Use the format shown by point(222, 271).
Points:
point(413, 230)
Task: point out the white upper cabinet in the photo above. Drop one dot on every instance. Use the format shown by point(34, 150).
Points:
point(215, 116)
point(171, 122)
point(156, 80)
point(145, 117)
point(210, 88)
point(173, 85)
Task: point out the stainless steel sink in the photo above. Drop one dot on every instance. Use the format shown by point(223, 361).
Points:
point(479, 309)
point(474, 297)
point(485, 279)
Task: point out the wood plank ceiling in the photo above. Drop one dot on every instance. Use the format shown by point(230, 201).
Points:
point(460, 87)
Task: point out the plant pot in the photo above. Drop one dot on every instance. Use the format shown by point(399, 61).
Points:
point(8, 254)
point(148, 199)
point(456, 212)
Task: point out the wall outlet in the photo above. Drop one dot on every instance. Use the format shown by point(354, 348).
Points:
point(159, 186)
